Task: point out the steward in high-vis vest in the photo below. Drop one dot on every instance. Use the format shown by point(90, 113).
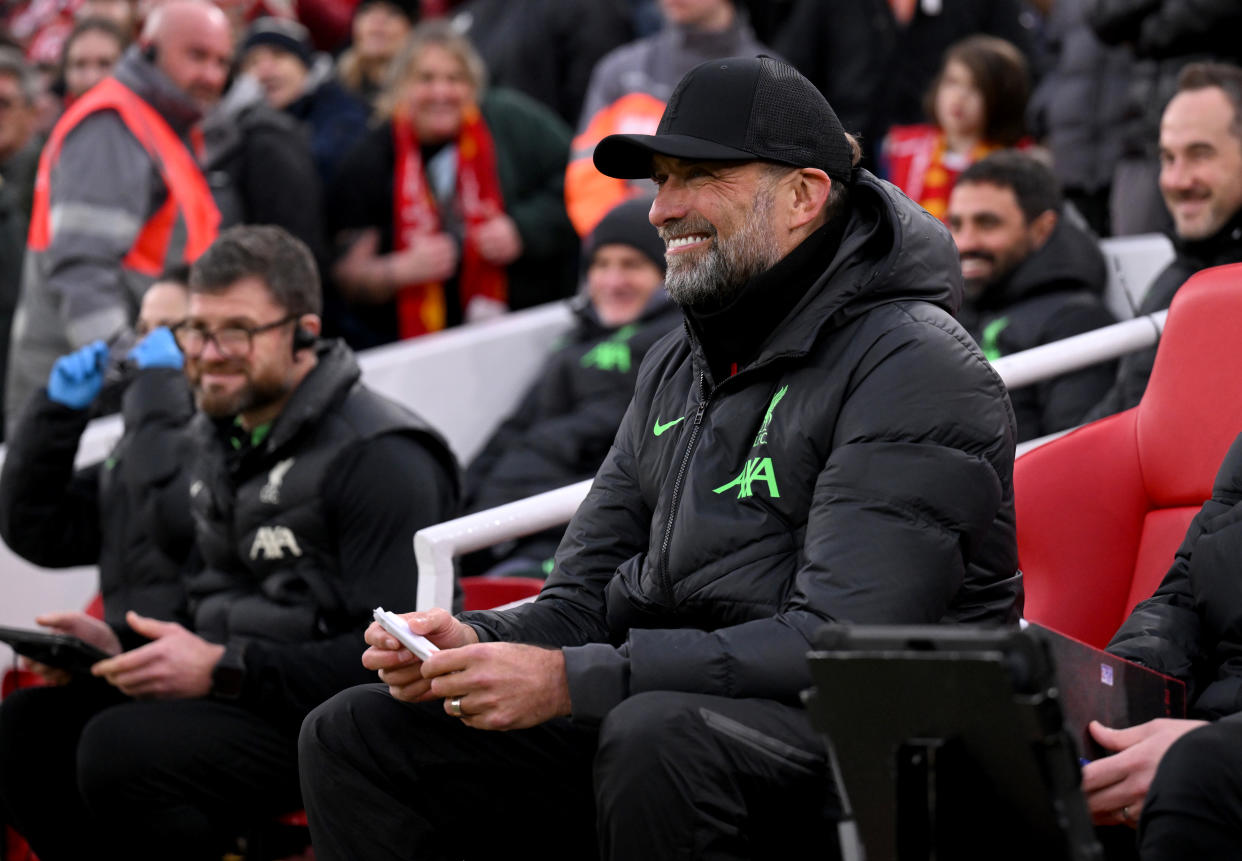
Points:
point(118, 196)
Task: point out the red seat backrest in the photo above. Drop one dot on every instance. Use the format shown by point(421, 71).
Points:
point(1102, 510)
point(484, 593)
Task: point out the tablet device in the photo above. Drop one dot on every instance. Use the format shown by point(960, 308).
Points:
point(948, 742)
point(63, 651)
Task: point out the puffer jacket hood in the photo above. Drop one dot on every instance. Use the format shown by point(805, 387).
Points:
point(1069, 261)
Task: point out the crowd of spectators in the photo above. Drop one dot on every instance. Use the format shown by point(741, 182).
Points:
point(438, 163)
point(327, 126)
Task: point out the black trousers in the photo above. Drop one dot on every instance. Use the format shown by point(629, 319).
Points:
point(87, 773)
point(1194, 806)
point(667, 775)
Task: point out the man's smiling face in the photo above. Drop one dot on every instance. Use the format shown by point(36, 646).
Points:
point(715, 220)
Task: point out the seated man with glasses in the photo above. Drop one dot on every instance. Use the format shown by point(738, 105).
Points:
point(306, 491)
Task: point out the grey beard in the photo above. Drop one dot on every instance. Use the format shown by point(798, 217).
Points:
point(726, 266)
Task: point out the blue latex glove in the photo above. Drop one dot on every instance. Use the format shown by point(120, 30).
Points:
point(158, 350)
point(77, 378)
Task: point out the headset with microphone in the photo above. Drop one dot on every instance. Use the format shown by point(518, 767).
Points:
point(304, 339)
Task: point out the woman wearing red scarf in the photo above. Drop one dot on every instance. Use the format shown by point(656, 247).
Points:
point(977, 104)
point(452, 208)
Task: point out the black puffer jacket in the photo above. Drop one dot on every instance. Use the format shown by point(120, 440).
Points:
point(564, 425)
point(858, 469)
point(1053, 294)
point(1164, 36)
point(1078, 106)
point(1134, 369)
point(1191, 628)
point(127, 514)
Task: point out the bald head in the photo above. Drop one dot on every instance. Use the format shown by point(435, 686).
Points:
point(192, 45)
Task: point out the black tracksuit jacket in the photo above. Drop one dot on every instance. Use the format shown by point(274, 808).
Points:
point(856, 468)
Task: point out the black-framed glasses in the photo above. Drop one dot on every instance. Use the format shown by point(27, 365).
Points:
point(232, 341)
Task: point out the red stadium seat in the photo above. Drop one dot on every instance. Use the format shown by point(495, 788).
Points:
point(482, 593)
point(1102, 510)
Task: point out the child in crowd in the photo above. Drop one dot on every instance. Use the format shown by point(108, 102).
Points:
point(977, 105)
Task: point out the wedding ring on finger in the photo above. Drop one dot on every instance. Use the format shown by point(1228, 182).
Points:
point(454, 707)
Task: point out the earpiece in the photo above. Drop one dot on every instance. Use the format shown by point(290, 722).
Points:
point(150, 53)
point(304, 339)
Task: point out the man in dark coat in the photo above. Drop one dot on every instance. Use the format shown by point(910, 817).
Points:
point(562, 428)
point(277, 53)
point(1201, 180)
point(823, 442)
point(1191, 629)
point(1032, 277)
point(127, 513)
point(306, 492)
point(1163, 36)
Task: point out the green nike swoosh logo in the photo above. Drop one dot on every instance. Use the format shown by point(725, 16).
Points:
point(661, 428)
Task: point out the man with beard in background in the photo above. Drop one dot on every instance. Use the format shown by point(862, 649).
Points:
point(306, 493)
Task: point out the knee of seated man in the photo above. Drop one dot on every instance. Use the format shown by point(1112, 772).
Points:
point(649, 727)
point(337, 719)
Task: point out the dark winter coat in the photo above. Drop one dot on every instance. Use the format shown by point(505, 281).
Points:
point(565, 423)
point(1164, 36)
point(857, 469)
point(1134, 369)
point(532, 146)
point(260, 167)
point(1191, 628)
point(875, 74)
point(1077, 108)
point(546, 48)
point(127, 514)
point(335, 118)
point(1053, 294)
point(275, 587)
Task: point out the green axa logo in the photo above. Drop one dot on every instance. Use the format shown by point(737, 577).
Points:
point(762, 436)
point(756, 469)
point(989, 342)
point(612, 354)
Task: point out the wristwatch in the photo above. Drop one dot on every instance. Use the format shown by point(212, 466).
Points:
point(229, 674)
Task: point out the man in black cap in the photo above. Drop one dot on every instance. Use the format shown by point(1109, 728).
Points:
point(823, 442)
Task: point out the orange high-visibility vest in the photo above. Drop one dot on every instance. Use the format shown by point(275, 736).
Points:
point(589, 195)
point(188, 193)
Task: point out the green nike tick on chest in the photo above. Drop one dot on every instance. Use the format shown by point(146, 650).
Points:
point(661, 428)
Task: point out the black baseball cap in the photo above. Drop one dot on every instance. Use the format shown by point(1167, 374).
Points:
point(737, 109)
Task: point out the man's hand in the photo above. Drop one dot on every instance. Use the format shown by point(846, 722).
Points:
point(86, 628)
point(401, 670)
point(498, 240)
point(77, 378)
point(158, 350)
point(430, 258)
point(501, 685)
point(175, 665)
point(75, 623)
point(1116, 786)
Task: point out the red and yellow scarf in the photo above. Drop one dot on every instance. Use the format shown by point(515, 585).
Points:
point(421, 307)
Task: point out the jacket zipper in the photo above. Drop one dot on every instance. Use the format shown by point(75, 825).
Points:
point(665, 581)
